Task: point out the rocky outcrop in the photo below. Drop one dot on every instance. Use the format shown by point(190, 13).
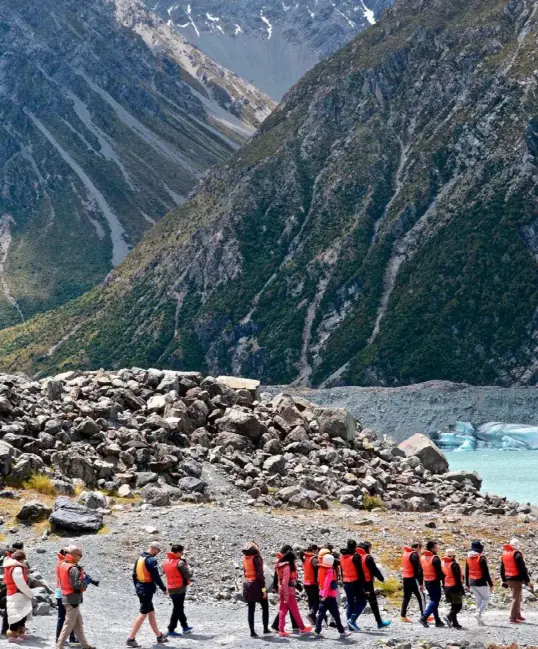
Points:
point(149, 434)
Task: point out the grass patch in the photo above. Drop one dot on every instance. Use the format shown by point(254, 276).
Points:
point(372, 502)
point(104, 530)
point(41, 483)
point(391, 588)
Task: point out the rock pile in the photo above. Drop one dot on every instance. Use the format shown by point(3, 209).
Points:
point(150, 431)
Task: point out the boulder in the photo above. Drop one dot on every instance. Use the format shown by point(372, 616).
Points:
point(157, 403)
point(88, 428)
point(145, 477)
point(71, 516)
point(93, 500)
point(191, 484)
point(288, 492)
point(237, 383)
point(125, 491)
point(238, 442)
point(430, 456)
point(156, 496)
point(241, 423)
point(336, 422)
point(73, 465)
point(461, 476)
point(26, 465)
point(275, 464)
point(33, 512)
point(52, 389)
point(7, 453)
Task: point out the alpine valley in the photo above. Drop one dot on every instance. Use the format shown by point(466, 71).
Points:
point(380, 228)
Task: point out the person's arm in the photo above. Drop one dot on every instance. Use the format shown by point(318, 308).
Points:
point(436, 563)
point(374, 570)
point(485, 571)
point(135, 578)
point(503, 573)
point(151, 565)
point(21, 584)
point(456, 571)
point(258, 566)
point(285, 583)
point(522, 568)
point(467, 582)
point(76, 582)
point(357, 562)
point(315, 567)
point(184, 570)
point(415, 562)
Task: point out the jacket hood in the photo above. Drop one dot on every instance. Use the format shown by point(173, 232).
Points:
point(406, 548)
point(12, 563)
point(428, 553)
point(509, 548)
point(362, 551)
point(60, 556)
point(472, 554)
point(171, 555)
point(449, 559)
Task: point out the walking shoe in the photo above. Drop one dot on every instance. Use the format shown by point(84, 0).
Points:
point(406, 620)
point(424, 622)
point(306, 629)
point(131, 642)
point(161, 639)
point(353, 626)
point(440, 625)
point(318, 636)
point(267, 631)
point(283, 634)
point(345, 635)
point(253, 634)
point(521, 619)
point(174, 634)
point(384, 624)
point(458, 627)
point(187, 630)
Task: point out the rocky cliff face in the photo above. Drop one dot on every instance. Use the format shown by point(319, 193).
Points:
point(102, 132)
point(272, 43)
point(381, 228)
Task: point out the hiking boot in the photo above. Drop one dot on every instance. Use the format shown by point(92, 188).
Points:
point(440, 625)
point(267, 631)
point(187, 630)
point(131, 642)
point(253, 634)
point(174, 634)
point(353, 626)
point(424, 622)
point(161, 639)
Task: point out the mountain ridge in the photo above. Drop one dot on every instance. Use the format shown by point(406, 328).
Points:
point(379, 229)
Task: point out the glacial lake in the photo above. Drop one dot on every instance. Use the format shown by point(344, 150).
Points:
point(513, 474)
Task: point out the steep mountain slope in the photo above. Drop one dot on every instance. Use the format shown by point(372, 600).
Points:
point(100, 135)
point(270, 42)
point(381, 228)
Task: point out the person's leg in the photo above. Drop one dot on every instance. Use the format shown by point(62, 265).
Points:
point(362, 601)
point(276, 621)
point(435, 594)
point(372, 599)
point(514, 607)
point(431, 604)
point(407, 592)
point(265, 614)
point(416, 592)
point(251, 611)
point(70, 622)
point(456, 608)
point(321, 614)
point(294, 610)
point(484, 595)
point(351, 602)
point(152, 619)
point(174, 617)
point(5, 623)
point(284, 608)
point(79, 629)
point(181, 610)
point(61, 617)
point(519, 599)
point(137, 624)
point(332, 605)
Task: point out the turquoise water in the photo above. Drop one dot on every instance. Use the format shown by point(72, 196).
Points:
point(506, 473)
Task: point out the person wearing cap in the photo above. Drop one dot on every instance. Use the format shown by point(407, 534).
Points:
point(147, 579)
point(327, 593)
point(16, 545)
point(514, 574)
point(73, 582)
point(454, 591)
point(433, 581)
point(178, 577)
point(59, 602)
point(477, 579)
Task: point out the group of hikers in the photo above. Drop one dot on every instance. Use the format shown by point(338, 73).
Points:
point(323, 571)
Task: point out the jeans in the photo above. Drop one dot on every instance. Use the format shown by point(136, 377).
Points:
point(61, 620)
point(356, 600)
point(410, 588)
point(289, 606)
point(329, 604)
point(265, 614)
point(312, 594)
point(481, 597)
point(178, 612)
point(434, 592)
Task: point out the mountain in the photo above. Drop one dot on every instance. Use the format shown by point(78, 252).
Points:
point(270, 42)
point(102, 132)
point(381, 228)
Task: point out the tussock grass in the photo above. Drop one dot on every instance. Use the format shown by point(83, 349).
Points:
point(372, 502)
point(41, 483)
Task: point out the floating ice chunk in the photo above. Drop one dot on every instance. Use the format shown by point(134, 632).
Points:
point(269, 26)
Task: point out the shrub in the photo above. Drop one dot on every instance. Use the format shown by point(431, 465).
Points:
point(41, 483)
point(372, 502)
point(391, 587)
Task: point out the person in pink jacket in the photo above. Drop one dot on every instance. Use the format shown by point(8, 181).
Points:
point(328, 590)
point(286, 571)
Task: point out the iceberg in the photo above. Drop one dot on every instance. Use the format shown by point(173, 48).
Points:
point(466, 436)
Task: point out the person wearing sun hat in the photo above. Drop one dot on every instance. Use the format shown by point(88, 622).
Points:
point(514, 574)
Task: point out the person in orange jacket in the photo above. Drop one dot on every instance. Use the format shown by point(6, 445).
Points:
point(59, 602)
point(178, 577)
point(310, 579)
point(286, 570)
point(433, 581)
point(254, 587)
point(371, 573)
point(353, 579)
point(514, 574)
point(478, 579)
point(412, 579)
point(454, 591)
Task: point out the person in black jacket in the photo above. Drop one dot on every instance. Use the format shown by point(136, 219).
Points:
point(353, 578)
point(454, 590)
point(478, 579)
point(309, 559)
point(371, 573)
point(412, 579)
point(433, 581)
point(254, 588)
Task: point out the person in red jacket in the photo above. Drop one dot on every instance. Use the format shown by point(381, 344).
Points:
point(328, 579)
point(178, 577)
point(412, 579)
point(514, 574)
point(454, 590)
point(286, 571)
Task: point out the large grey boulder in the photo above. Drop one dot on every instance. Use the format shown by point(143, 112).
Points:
point(93, 500)
point(73, 465)
point(26, 465)
point(238, 442)
point(336, 422)
point(7, 453)
point(275, 464)
point(238, 383)
point(426, 451)
point(33, 512)
point(71, 516)
point(191, 485)
point(155, 495)
point(461, 476)
point(241, 423)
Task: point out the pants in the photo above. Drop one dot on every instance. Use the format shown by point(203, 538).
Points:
point(19, 626)
point(356, 600)
point(276, 622)
point(61, 619)
point(265, 614)
point(410, 588)
point(178, 612)
point(370, 598)
point(290, 606)
point(73, 622)
point(312, 594)
point(5, 623)
point(146, 603)
point(456, 604)
point(517, 595)
point(434, 592)
point(329, 604)
point(481, 597)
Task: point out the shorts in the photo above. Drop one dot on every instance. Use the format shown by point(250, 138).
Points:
point(146, 603)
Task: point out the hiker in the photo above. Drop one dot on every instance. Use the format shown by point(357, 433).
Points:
point(328, 589)
point(513, 575)
point(412, 579)
point(19, 595)
point(310, 580)
point(371, 573)
point(286, 570)
point(276, 622)
point(433, 581)
point(59, 602)
point(353, 579)
point(73, 582)
point(16, 545)
point(477, 579)
point(178, 576)
point(146, 579)
point(254, 589)
point(454, 590)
